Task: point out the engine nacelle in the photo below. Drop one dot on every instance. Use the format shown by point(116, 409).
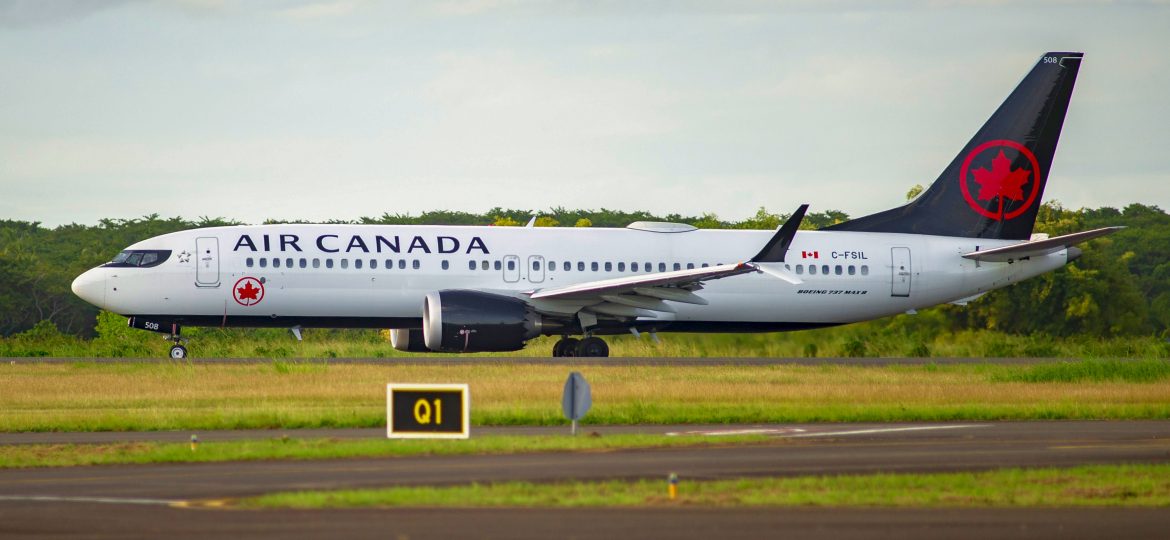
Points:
point(474, 321)
point(409, 340)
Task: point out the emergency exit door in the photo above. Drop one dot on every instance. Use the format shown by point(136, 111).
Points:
point(207, 262)
point(511, 268)
point(900, 277)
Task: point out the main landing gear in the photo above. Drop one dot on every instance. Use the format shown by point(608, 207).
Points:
point(591, 346)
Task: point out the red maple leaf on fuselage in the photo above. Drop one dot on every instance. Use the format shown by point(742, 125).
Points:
point(1001, 180)
point(248, 292)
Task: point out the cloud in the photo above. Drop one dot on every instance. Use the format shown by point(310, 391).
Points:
point(322, 10)
point(28, 13)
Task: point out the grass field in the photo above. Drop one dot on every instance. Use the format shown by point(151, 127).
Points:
point(67, 455)
point(916, 336)
point(1114, 485)
point(190, 396)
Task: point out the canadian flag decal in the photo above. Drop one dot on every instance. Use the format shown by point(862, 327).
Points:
point(810, 254)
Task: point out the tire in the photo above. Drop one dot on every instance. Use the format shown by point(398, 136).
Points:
point(178, 352)
point(593, 347)
point(569, 347)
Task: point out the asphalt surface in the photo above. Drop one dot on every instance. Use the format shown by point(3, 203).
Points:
point(481, 361)
point(139, 501)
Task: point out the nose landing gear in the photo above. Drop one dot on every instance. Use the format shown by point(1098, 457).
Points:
point(178, 351)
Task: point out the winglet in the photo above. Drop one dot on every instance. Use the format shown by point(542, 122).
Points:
point(777, 247)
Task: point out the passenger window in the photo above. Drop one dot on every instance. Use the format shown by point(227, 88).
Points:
point(812, 269)
point(304, 263)
point(328, 263)
point(580, 266)
point(511, 264)
point(344, 263)
point(373, 263)
point(275, 263)
point(483, 265)
point(471, 265)
point(288, 263)
point(852, 270)
point(705, 265)
point(389, 264)
point(415, 264)
point(690, 266)
point(593, 266)
point(661, 267)
point(634, 267)
point(864, 270)
point(536, 265)
point(316, 263)
point(649, 267)
point(498, 265)
point(800, 269)
point(552, 266)
point(837, 270)
point(677, 266)
point(825, 269)
point(609, 267)
point(567, 266)
point(402, 264)
point(621, 267)
point(445, 264)
point(357, 263)
point(248, 262)
point(788, 267)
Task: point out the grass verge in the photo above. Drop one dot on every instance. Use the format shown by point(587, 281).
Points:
point(1110, 485)
point(285, 395)
point(65, 455)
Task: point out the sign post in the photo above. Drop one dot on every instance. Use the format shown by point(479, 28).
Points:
point(577, 399)
point(428, 411)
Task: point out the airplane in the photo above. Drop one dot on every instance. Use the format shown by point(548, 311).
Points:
point(463, 289)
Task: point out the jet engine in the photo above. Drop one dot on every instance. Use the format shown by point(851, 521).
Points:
point(408, 339)
point(474, 321)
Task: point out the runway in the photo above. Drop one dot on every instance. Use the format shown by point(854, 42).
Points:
point(796, 449)
point(570, 362)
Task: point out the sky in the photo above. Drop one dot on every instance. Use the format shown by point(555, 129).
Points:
point(340, 109)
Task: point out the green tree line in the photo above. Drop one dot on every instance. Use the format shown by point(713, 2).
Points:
point(1120, 287)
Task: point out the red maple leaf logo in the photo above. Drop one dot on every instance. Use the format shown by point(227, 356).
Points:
point(248, 292)
point(1001, 181)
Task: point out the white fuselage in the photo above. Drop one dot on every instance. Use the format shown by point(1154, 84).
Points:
point(318, 276)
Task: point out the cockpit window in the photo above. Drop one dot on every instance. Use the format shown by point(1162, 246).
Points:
point(139, 258)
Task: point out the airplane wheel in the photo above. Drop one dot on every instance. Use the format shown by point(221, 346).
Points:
point(565, 347)
point(593, 347)
point(178, 352)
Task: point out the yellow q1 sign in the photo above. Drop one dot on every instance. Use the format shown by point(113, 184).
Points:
point(427, 411)
point(422, 411)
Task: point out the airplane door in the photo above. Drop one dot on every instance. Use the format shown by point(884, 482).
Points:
point(536, 269)
point(900, 278)
point(207, 262)
point(511, 268)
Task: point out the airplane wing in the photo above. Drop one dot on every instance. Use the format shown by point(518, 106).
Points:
point(1038, 247)
point(641, 295)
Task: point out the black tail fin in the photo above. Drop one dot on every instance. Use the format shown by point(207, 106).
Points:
point(993, 187)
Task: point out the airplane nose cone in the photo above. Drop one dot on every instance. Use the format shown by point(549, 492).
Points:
point(91, 287)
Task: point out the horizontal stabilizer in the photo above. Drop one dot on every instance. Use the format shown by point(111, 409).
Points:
point(1038, 247)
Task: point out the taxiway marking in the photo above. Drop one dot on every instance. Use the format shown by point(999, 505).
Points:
point(886, 430)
